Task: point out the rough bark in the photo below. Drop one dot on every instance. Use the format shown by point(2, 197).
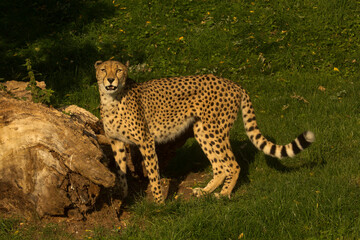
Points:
point(50, 159)
point(18, 89)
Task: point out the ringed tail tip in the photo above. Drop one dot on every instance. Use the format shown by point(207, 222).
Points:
point(309, 136)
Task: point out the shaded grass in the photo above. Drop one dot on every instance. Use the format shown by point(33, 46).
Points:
point(17, 228)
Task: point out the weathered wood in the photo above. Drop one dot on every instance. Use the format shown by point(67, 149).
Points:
point(52, 158)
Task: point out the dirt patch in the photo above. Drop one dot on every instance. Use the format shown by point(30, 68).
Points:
point(107, 214)
point(112, 213)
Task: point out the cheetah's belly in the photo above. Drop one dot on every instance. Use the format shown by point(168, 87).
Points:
point(117, 134)
point(169, 132)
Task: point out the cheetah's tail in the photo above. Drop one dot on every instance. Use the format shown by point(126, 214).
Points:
point(280, 151)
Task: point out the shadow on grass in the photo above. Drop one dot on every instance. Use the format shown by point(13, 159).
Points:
point(53, 34)
point(177, 163)
point(191, 159)
point(24, 21)
point(279, 166)
point(183, 157)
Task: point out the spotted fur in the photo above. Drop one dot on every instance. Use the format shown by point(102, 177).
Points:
point(161, 109)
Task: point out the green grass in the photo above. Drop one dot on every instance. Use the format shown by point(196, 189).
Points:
point(299, 60)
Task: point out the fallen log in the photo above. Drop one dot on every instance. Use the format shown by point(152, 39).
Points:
point(48, 159)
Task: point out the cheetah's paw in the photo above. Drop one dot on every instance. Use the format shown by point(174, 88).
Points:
point(219, 195)
point(198, 192)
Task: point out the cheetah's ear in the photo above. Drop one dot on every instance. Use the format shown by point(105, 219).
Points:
point(97, 64)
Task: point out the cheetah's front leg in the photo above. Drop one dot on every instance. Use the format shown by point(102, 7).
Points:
point(119, 152)
point(152, 167)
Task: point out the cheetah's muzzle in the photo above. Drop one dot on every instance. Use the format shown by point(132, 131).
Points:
point(111, 88)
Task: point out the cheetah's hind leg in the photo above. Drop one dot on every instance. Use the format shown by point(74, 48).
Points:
point(209, 148)
point(232, 170)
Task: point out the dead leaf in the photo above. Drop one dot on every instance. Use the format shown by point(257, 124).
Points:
point(300, 98)
point(321, 88)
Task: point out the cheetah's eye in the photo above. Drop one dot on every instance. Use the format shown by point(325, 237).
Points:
point(119, 70)
point(103, 70)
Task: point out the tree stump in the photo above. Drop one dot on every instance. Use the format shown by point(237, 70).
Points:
point(50, 162)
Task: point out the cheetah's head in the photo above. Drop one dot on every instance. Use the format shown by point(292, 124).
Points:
point(111, 76)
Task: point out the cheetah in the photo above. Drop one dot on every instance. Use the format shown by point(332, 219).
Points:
point(161, 109)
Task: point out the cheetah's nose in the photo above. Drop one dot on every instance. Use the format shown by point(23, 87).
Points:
point(110, 80)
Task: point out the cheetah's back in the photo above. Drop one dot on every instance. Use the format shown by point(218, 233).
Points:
point(171, 105)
